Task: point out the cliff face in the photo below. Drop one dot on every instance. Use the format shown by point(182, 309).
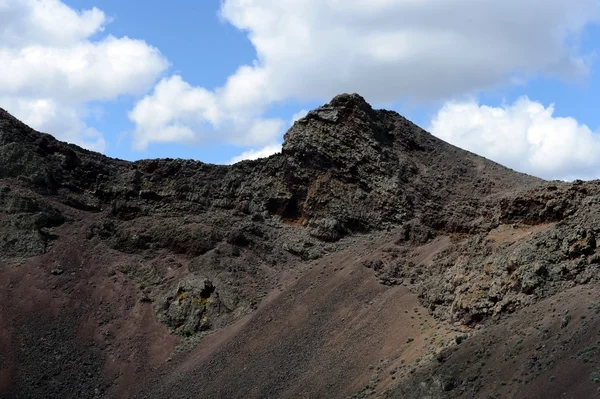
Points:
point(121, 266)
point(344, 168)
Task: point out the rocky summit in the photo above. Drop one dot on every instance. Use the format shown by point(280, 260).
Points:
point(367, 259)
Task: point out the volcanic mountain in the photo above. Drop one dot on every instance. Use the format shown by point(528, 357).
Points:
point(367, 259)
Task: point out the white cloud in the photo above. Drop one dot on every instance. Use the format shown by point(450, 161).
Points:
point(385, 50)
point(47, 116)
point(524, 136)
point(178, 112)
point(81, 72)
point(256, 154)
point(50, 68)
point(46, 22)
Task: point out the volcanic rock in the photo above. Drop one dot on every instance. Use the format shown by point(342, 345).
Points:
point(342, 266)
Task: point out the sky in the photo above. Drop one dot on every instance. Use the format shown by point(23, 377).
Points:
point(221, 81)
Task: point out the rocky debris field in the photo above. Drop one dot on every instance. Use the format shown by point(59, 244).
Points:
point(367, 259)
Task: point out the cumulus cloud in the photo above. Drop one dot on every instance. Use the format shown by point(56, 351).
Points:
point(47, 115)
point(178, 112)
point(384, 49)
point(50, 68)
point(256, 154)
point(525, 136)
point(420, 49)
point(46, 22)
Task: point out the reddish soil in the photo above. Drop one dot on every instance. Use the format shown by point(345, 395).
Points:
point(107, 320)
point(324, 335)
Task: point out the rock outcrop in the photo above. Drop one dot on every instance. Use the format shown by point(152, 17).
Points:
point(172, 250)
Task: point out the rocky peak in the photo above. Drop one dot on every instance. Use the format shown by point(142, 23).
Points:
point(346, 164)
point(342, 109)
point(82, 236)
point(346, 130)
point(353, 100)
point(341, 106)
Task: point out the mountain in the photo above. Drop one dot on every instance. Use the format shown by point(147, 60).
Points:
point(367, 259)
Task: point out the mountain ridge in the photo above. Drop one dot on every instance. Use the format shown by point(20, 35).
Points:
point(161, 273)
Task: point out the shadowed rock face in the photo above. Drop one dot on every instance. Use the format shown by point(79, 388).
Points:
point(344, 168)
point(325, 270)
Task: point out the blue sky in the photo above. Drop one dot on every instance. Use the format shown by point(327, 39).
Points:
point(211, 80)
point(199, 46)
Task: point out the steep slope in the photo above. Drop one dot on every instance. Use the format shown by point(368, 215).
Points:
point(547, 350)
point(366, 242)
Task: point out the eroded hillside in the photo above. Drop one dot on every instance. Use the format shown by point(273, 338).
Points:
point(368, 258)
